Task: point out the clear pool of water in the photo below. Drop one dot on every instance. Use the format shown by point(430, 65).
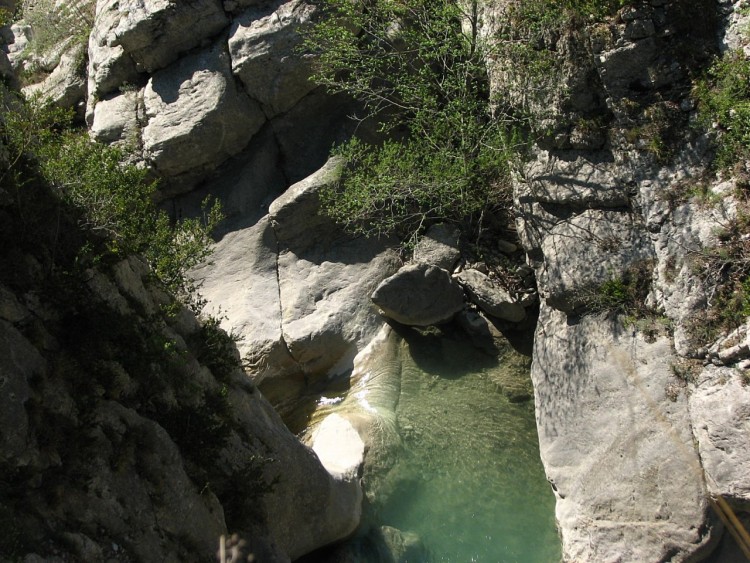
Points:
point(468, 481)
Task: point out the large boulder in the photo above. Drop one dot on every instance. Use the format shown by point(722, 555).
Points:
point(296, 291)
point(264, 46)
point(419, 295)
point(196, 115)
point(66, 85)
point(295, 214)
point(491, 298)
point(616, 445)
point(439, 247)
point(133, 36)
point(117, 118)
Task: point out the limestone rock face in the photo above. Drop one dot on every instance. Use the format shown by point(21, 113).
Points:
point(295, 214)
point(615, 432)
point(66, 85)
point(419, 295)
point(196, 116)
point(20, 362)
point(115, 473)
point(132, 36)
point(263, 47)
point(296, 291)
point(117, 118)
point(720, 413)
point(216, 71)
point(617, 450)
point(587, 250)
point(491, 298)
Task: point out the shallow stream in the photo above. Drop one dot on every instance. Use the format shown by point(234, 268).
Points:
point(467, 481)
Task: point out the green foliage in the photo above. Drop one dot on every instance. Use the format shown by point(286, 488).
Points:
point(724, 106)
point(724, 270)
point(420, 70)
point(216, 349)
point(625, 294)
point(55, 23)
point(113, 200)
point(423, 80)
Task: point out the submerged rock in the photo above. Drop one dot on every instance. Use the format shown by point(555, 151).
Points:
point(419, 295)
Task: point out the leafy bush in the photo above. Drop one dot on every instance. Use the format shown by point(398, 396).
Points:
point(626, 294)
point(420, 70)
point(113, 201)
point(724, 106)
point(423, 80)
point(56, 23)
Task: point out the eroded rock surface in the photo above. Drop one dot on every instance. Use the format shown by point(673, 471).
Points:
point(617, 450)
point(196, 116)
point(296, 291)
point(491, 298)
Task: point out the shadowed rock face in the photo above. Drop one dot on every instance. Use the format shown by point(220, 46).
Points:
point(115, 455)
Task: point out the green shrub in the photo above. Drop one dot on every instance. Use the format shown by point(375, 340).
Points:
point(420, 70)
point(112, 200)
point(724, 107)
point(53, 23)
point(423, 80)
point(624, 294)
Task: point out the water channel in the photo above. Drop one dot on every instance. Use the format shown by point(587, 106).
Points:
point(467, 484)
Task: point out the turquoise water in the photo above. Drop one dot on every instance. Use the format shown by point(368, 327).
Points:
point(467, 481)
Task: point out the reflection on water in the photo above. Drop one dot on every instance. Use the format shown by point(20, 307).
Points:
point(468, 481)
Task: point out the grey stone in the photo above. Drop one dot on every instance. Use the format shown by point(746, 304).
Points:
point(633, 63)
point(116, 119)
point(242, 289)
point(491, 298)
point(264, 48)
point(19, 363)
point(585, 251)
point(617, 450)
point(639, 29)
point(109, 65)
point(419, 295)
point(133, 36)
point(66, 85)
point(196, 116)
point(584, 181)
point(296, 215)
point(311, 285)
point(720, 415)
point(439, 247)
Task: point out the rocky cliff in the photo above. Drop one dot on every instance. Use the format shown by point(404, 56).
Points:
point(642, 424)
point(626, 437)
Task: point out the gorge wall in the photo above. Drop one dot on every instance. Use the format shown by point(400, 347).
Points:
point(632, 448)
